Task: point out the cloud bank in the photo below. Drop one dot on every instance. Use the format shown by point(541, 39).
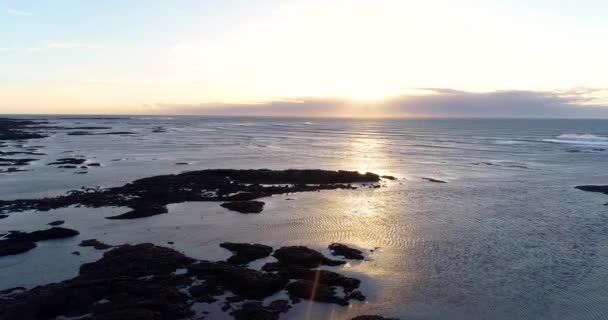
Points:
point(436, 102)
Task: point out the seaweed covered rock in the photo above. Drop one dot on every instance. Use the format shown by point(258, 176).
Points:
point(244, 206)
point(245, 252)
point(303, 256)
point(248, 283)
point(16, 242)
point(338, 249)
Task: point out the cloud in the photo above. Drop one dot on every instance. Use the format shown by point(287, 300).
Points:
point(438, 102)
point(15, 12)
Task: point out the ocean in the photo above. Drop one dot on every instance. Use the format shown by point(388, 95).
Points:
point(506, 237)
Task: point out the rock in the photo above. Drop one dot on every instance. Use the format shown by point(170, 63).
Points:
point(372, 318)
point(244, 206)
point(41, 235)
point(356, 295)
point(147, 210)
point(17, 242)
point(338, 249)
point(94, 164)
point(591, 188)
point(244, 196)
point(8, 248)
point(433, 180)
point(248, 283)
point(3, 216)
point(95, 244)
point(204, 185)
point(5, 162)
point(76, 253)
point(13, 129)
point(388, 177)
point(245, 253)
point(68, 167)
point(56, 223)
point(136, 261)
point(303, 256)
point(309, 290)
point(325, 277)
point(182, 163)
point(68, 161)
point(254, 310)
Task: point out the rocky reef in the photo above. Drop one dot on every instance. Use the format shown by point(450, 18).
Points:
point(149, 196)
point(145, 281)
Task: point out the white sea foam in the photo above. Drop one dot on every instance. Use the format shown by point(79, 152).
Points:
point(582, 139)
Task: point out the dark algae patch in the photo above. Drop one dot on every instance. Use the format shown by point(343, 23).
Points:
point(149, 196)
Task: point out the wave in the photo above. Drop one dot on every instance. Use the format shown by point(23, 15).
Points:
point(581, 139)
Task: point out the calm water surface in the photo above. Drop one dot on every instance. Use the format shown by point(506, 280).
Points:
point(508, 237)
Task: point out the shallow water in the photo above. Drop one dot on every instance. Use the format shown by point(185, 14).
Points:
point(508, 237)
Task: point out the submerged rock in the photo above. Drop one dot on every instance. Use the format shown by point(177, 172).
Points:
point(591, 188)
point(68, 161)
point(433, 180)
point(244, 206)
point(245, 253)
point(52, 233)
point(147, 210)
point(303, 256)
point(98, 245)
point(56, 223)
point(310, 290)
point(338, 249)
point(17, 242)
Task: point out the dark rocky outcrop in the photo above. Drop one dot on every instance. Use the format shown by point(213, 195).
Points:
point(303, 256)
point(388, 177)
point(15, 129)
point(245, 252)
point(119, 279)
point(98, 245)
point(310, 290)
point(591, 188)
point(244, 206)
point(56, 223)
point(248, 283)
point(5, 162)
point(338, 249)
point(254, 310)
point(205, 185)
point(68, 161)
point(140, 282)
point(433, 180)
point(18, 242)
point(142, 211)
point(41, 235)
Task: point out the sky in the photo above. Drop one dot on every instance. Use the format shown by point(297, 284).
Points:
point(351, 58)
